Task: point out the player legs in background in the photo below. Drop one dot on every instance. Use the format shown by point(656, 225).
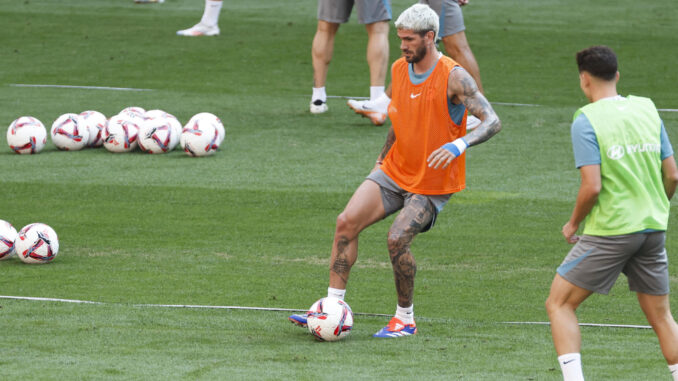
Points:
point(331, 13)
point(456, 46)
point(208, 25)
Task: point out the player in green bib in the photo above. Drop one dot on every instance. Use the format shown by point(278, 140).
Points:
point(628, 175)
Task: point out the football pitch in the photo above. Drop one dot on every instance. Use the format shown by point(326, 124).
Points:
point(252, 225)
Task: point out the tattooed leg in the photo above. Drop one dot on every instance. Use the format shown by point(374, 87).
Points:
point(412, 219)
point(364, 209)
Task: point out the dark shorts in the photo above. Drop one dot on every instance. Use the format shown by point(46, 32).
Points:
point(594, 263)
point(449, 12)
point(394, 197)
point(339, 11)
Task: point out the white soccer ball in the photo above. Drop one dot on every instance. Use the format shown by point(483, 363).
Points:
point(199, 139)
point(26, 135)
point(208, 118)
point(330, 319)
point(7, 237)
point(69, 133)
point(156, 136)
point(36, 243)
point(171, 120)
point(133, 112)
point(95, 123)
point(121, 133)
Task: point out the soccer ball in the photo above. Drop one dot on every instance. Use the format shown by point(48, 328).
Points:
point(95, 123)
point(156, 135)
point(26, 135)
point(36, 243)
point(330, 319)
point(199, 139)
point(133, 112)
point(120, 134)
point(207, 118)
point(7, 237)
point(171, 120)
point(69, 133)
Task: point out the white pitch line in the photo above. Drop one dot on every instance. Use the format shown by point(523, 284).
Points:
point(668, 109)
point(175, 305)
point(583, 324)
point(49, 299)
point(81, 87)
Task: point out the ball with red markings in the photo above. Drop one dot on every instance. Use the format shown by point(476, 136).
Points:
point(121, 133)
point(95, 122)
point(156, 136)
point(36, 243)
point(69, 133)
point(204, 118)
point(26, 135)
point(330, 319)
point(8, 236)
point(199, 139)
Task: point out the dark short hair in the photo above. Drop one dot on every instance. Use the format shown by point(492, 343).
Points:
point(599, 61)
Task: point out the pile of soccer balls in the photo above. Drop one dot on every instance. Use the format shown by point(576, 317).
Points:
point(153, 131)
point(35, 243)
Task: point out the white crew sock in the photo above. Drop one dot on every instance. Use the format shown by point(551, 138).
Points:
point(405, 314)
point(674, 371)
point(319, 93)
point(570, 365)
point(211, 15)
point(336, 293)
point(375, 92)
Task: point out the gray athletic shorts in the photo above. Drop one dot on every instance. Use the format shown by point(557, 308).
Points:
point(394, 197)
point(339, 11)
point(594, 263)
point(449, 11)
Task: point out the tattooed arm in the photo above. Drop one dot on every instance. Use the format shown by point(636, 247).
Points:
point(462, 88)
point(390, 139)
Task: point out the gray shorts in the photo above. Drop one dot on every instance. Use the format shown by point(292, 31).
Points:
point(339, 11)
point(594, 263)
point(394, 197)
point(449, 11)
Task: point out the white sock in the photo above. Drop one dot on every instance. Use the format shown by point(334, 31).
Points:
point(570, 365)
point(319, 93)
point(405, 314)
point(211, 15)
point(336, 293)
point(674, 371)
point(375, 92)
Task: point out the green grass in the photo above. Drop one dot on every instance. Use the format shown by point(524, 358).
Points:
point(252, 226)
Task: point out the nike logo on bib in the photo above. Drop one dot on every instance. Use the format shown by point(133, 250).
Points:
point(412, 95)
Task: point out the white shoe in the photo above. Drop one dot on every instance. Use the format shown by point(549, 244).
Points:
point(200, 29)
point(472, 122)
point(378, 117)
point(318, 107)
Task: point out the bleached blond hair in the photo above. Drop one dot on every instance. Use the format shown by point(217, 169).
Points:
point(419, 18)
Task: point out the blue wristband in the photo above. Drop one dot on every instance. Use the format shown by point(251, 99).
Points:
point(456, 147)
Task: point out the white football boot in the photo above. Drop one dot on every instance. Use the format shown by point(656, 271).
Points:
point(378, 117)
point(200, 29)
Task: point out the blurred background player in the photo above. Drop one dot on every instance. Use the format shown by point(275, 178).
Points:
point(628, 175)
point(420, 166)
point(208, 23)
point(456, 46)
point(375, 14)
